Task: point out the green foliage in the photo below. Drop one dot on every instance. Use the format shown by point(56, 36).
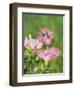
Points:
point(32, 24)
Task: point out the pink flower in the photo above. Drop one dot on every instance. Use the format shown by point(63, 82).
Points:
point(54, 53)
point(26, 42)
point(45, 36)
point(33, 43)
point(49, 54)
point(42, 54)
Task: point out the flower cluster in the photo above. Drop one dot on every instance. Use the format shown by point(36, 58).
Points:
point(36, 45)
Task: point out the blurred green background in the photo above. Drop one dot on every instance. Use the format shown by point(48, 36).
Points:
point(32, 24)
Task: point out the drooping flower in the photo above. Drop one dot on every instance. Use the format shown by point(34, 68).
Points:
point(33, 43)
point(26, 42)
point(45, 36)
point(49, 54)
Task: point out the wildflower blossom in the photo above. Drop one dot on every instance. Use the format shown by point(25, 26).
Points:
point(49, 54)
point(45, 36)
point(33, 43)
point(26, 42)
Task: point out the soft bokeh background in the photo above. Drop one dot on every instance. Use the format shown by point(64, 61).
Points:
point(32, 23)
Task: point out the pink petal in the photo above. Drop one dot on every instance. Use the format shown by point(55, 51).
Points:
point(26, 42)
point(54, 52)
point(47, 39)
point(49, 54)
